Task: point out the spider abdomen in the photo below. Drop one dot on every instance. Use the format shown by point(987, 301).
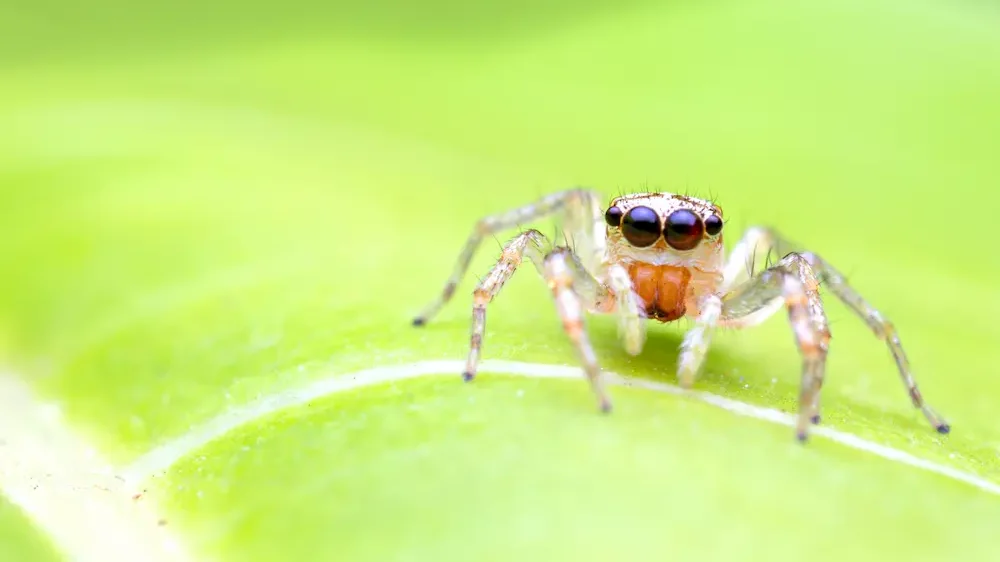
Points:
point(662, 288)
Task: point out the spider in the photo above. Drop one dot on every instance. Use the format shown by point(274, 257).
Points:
point(660, 256)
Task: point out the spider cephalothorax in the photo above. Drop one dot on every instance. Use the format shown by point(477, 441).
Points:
point(660, 256)
point(671, 247)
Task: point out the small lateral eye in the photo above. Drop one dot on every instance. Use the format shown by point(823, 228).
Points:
point(683, 230)
point(641, 227)
point(613, 217)
point(713, 225)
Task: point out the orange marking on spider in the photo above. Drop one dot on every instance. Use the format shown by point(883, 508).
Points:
point(662, 287)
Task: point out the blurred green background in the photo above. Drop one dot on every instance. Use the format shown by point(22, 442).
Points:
point(203, 204)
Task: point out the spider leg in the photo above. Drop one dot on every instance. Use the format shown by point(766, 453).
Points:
point(881, 326)
point(694, 348)
point(792, 281)
point(571, 286)
point(738, 267)
point(578, 206)
point(563, 273)
point(631, 318)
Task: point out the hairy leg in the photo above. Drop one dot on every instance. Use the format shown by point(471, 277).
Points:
point(562, 276)
point(532, 244)
point(883, 329)
point(694, 348)
point(767, 240)
point(628, 305)
point(739, 266)
point(793, 281)
point(579, 209)
point(573, 291)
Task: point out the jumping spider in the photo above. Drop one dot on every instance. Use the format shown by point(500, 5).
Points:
point(660, 256)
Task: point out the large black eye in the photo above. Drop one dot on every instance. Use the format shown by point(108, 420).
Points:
point(713, 225)
point(613, 217)
point(641, 226)
point(683, 230)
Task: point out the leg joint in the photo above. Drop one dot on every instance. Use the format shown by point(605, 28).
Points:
point(480, 297)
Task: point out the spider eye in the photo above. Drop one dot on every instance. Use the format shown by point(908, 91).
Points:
point(683, 230)
point(613, 217)
point(713, 225)
point(641, 226)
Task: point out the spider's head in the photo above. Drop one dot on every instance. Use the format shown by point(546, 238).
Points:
point(665, 229)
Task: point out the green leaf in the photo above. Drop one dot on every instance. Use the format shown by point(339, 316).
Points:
point(19, 540)
point(191, 223)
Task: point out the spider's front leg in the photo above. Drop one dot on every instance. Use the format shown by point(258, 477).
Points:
point(792, 281)
point(567, 280)
point(570, 284)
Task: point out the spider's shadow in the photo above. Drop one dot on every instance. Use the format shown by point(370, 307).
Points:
point(658, 360)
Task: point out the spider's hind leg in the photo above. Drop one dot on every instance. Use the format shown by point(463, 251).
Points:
point(579, 209)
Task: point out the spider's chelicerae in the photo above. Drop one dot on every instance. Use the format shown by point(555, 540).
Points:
point(660, 256)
